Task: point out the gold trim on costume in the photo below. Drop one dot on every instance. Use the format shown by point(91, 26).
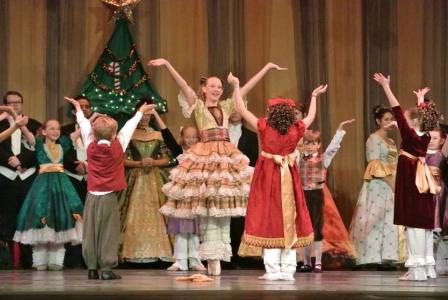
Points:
point(50, 167)
point(424, 180)
point(276, 242)
point(288, 203)
point(379, 169)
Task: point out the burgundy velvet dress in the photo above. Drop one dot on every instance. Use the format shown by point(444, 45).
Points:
point(264, 218)
point(412, 208)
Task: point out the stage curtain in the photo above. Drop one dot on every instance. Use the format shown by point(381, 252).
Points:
point(24, 50)
point(435, 52)
point(379, 34)
point(345, 81)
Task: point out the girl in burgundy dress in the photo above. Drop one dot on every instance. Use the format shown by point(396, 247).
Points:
point(415, 187)
point(277, 218)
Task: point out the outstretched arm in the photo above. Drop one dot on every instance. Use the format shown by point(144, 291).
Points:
point(420, 93)
point(309, 119)
point(84, 125)
point(19, 123)
point(125, 134)
point(343, 123)
point(184, 87)
point(239, 103)
point(335, 143)
point(158, 119)
point(257, 77)
point(168, 138)
point(385, 83)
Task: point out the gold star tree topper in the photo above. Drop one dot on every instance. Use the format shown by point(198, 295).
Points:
point(121, 8)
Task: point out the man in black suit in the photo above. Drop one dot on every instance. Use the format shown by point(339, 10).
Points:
point(76, 168)
point(247, 142)
point(17, 172)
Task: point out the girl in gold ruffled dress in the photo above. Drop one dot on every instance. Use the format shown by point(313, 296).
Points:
point(213, 176)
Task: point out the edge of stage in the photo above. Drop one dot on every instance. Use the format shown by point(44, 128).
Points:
point(232, 284)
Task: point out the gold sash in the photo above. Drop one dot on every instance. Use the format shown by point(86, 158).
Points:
point(50, 167)
point(424, 180)
point(288, 199)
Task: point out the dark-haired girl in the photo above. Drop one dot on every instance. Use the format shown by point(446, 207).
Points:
point(143, 228)
point(372, 230)
point(415, 187)
point(51, 212)
point(213, 176)
point(277, 216)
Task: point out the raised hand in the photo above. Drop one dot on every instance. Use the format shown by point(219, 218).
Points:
point(343, 123)
point(7, 109)
point(381, 79)
point(276, 67)
point(157, 62)
point(96, 115)
point(391, 125)
point(232, 80)
point(420, 93)
point(21, 121)
point(146, 108)
point(74, 103)
point(319, 90)
point(152, 112)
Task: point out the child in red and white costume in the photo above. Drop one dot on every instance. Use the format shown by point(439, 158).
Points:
point(277, 218)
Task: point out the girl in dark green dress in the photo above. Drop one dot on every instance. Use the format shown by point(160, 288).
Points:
point(51, 213)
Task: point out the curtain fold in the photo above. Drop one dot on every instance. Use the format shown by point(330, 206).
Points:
point(379, 53)
point(226, 39)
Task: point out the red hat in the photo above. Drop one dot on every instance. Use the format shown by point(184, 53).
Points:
point(275, 101)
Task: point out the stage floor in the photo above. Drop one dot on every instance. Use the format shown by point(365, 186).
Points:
point(232, 284)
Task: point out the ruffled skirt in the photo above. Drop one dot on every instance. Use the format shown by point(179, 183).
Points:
point(212, 179)
point(46, 215)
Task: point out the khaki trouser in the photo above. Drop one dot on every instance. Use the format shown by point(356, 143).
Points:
point(101, 232)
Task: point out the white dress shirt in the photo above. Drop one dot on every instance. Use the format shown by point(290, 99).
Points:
point(235, 133)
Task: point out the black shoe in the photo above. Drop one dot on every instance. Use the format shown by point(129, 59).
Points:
point(109, 275)
point(93, 274)
point(305, 269)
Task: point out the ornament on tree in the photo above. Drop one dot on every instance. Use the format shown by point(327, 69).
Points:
point(121, 8)
point(118, 80)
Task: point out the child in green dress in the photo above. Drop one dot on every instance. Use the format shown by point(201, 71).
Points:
point(51, 213)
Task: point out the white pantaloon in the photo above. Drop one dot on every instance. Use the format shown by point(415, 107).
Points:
point(280, 264)
point(420, 260)
point(48, 254)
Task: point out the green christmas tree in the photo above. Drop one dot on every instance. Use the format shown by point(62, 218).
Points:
point(118, 80)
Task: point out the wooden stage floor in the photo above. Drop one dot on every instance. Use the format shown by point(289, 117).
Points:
point(232, 284)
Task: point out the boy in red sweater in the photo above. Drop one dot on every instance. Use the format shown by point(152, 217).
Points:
point(105, 176)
